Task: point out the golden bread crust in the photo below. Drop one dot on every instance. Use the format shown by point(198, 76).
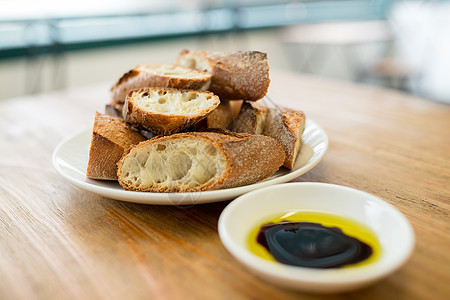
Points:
point(163, 123)
point(221, 117)
point(110, 138)
point(283, 124)
point(141, 77)
point(251, 118)
point(248, 159)
point(238, 75)
point(287, 126)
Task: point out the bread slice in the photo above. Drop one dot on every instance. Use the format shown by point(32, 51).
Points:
point(283, 124)
point(286, 126)
point(199, 161)
point(235, 107)
point(251, 118)
point(238, 75)
point(220, 118)
point(167, 111)
point(159, 75)
point(110, 138)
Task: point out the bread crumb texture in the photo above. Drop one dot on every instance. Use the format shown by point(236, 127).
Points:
point(199, 161)
point(185, 164)
point(174, 102)
point(168, 111)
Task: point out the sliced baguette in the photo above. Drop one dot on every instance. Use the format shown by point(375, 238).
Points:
point(251, 118)
point(286, 126)
point(199, 161)
point(235, 107)
point(220, 118)
point(159, 75)
point(110, 138)
point(283, 124)
point(167, 111)
point(238, 75)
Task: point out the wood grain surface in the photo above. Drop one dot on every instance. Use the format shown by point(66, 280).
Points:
point(58, 241)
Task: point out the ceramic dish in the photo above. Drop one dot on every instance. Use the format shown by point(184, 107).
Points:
point(71, 155)
point(392, 229)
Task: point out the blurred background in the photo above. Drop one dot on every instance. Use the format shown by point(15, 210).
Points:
point(51, 45)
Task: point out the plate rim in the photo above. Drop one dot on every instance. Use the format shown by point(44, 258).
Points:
point(171, 198)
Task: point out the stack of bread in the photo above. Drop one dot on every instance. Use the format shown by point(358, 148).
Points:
point(194, 126)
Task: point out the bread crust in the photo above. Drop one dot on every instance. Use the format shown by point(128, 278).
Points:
point(110, 138)
point(286, 126)
point(103, 156)
point(248, 159)
point(251, 118)
point(254, 158)
point(235, 107)
point(238, 75)
point(159, 123)
point(221, 117)
point(283, 124)
point(141, 77)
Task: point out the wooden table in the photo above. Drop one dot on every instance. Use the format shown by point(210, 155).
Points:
point(60, 242)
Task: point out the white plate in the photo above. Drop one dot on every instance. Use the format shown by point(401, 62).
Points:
point(71, 155)
point(394, 233)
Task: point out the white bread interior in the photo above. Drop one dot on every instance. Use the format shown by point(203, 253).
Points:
point(194, 61)
point(187, 163)
point(186, 103)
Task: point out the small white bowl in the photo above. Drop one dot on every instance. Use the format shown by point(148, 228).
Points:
point(393, 231)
